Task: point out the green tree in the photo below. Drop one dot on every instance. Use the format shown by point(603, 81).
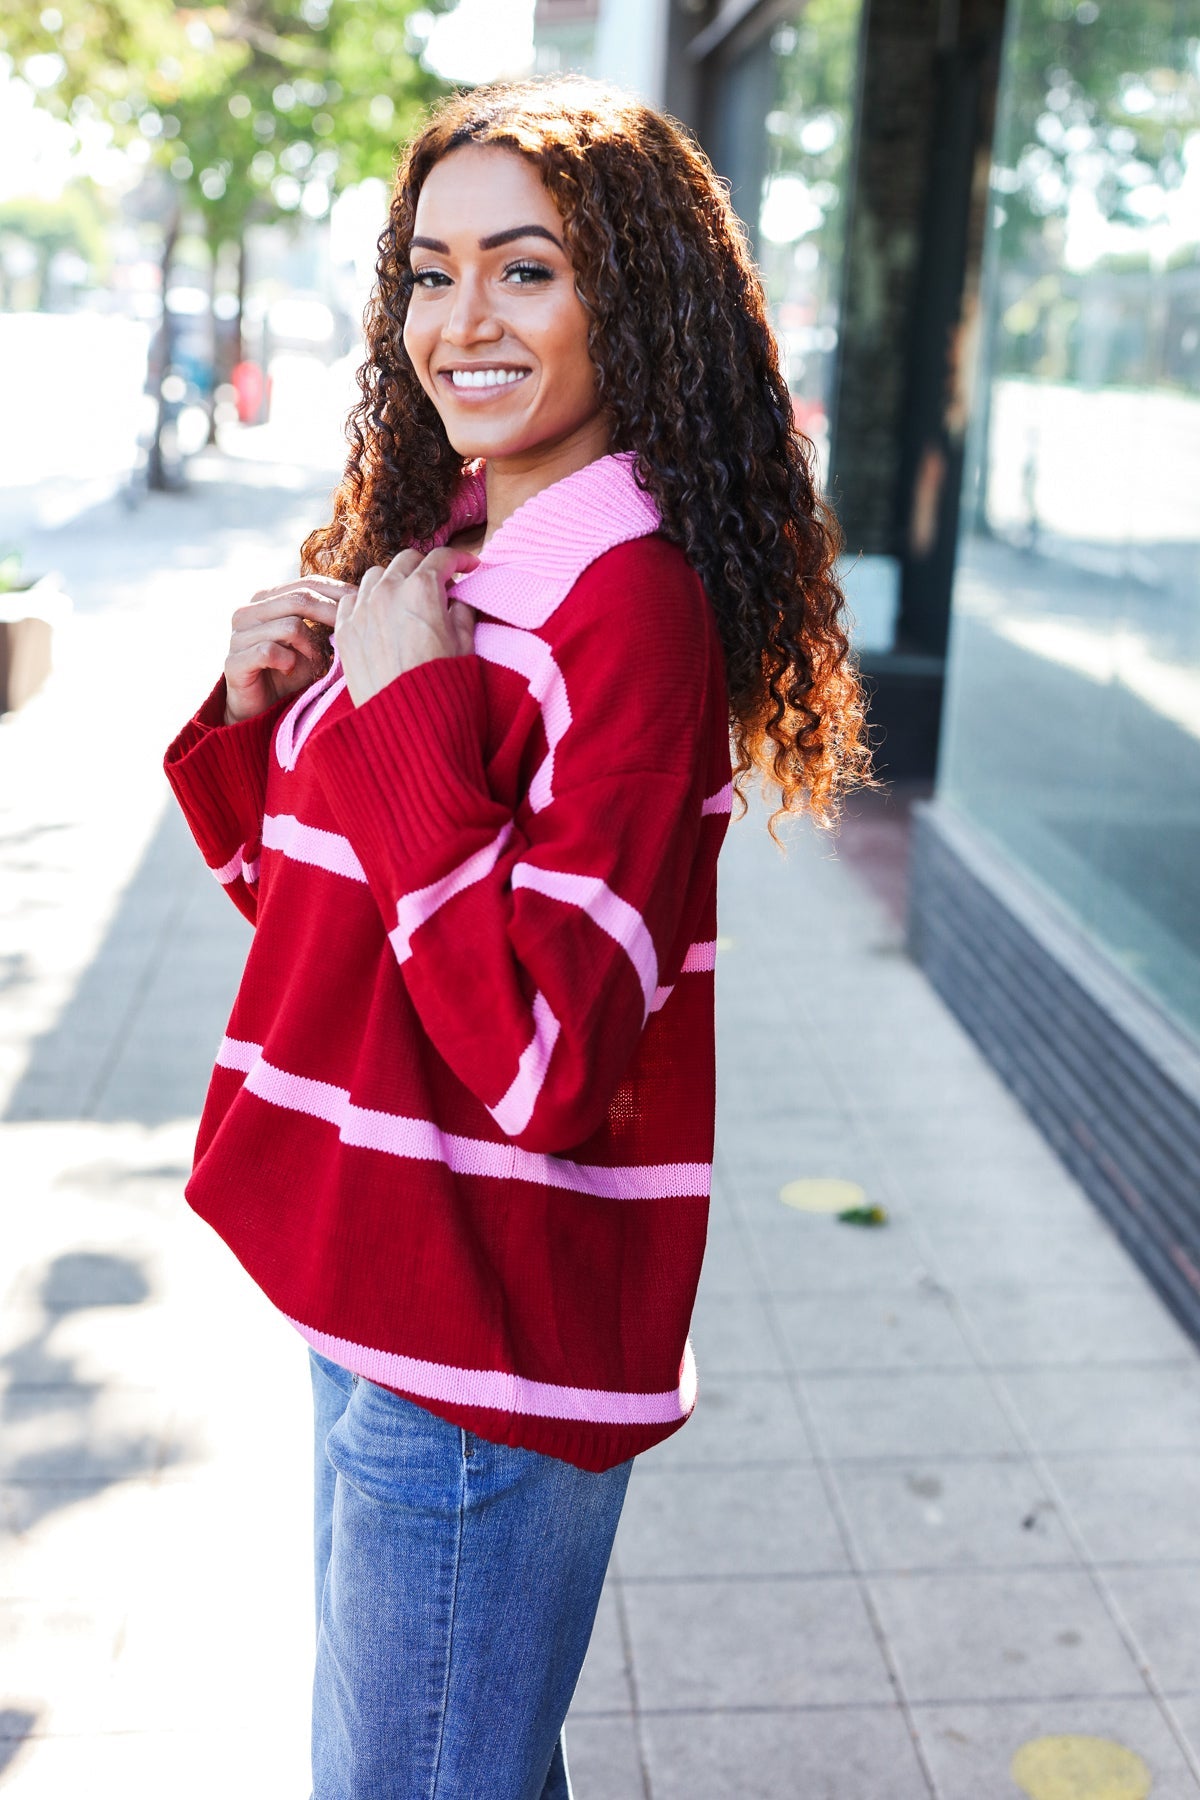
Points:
point(248, 111)
point(76, 221)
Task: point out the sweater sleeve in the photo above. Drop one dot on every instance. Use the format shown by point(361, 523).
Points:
point(218, 773)
point(534, 944)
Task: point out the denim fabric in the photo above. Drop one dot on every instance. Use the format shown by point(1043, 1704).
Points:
point(456, 1585)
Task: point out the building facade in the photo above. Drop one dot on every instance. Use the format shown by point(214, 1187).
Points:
point(979, 228)
point(1055, 897)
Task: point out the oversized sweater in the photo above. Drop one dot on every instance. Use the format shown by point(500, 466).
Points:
point(460, 1129)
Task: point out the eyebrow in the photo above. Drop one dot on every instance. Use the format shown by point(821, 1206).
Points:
point(493, 242)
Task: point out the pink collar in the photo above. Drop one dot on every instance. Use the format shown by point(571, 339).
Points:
point(542, 549)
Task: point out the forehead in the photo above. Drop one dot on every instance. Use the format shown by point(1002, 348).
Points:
point(479, 189)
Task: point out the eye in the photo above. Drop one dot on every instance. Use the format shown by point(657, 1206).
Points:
point(430, 278)
point(527, 274)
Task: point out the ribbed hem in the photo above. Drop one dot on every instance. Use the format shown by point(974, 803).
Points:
point(219, 772)
point(591, 1447)
point(404, 771)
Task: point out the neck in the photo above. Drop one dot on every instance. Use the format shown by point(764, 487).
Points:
point(511, 480)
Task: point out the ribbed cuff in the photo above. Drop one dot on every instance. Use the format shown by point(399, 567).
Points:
point(219, 772)
point(404, 771)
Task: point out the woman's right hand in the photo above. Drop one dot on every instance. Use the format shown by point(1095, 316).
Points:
point(272, 652)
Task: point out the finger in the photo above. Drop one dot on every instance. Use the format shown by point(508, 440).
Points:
point(370, 582)
point(262, 656)
point(448, 561)
point(404, 562)
point(317, 585)
point(318, 607)
point(291, 630)
point(462, 623)
point(332, 585)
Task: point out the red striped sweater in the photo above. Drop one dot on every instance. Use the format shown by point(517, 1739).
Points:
point(460, 1130)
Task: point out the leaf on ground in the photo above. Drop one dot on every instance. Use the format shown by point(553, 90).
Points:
point(863, 1215)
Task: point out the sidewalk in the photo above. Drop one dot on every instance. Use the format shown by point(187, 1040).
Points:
point(935, 1518)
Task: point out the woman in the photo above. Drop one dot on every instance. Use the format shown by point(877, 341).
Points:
point(461, 1128)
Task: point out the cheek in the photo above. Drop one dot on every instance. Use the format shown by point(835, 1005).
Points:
point(572, 356)
point(416, 340)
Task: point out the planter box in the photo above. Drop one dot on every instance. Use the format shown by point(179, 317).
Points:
point(27, 620)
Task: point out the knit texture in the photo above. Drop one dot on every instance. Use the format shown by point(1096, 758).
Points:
point(460, 1129)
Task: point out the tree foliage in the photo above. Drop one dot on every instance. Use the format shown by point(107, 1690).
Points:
point(251, 109)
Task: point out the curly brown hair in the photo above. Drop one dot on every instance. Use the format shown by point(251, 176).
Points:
point(689, 378)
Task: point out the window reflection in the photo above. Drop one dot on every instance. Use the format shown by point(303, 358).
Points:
point(1072, 726)
point(801, 214)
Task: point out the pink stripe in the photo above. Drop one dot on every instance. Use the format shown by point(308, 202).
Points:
point(505, 1393)
point(527, 655)
point(236, 1053)
point(309, 844)
point(513, 1113)
point(413, 909)
point(622, 922)
point(237, 868)
point(700, 958)
point(300, 718)
point(721, 802)
point(422, 1141)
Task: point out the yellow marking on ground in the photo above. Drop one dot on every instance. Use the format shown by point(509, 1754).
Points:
point(1079, 1768)
point(822, 1194)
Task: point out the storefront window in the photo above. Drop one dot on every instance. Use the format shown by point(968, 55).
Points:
point(783, 133)
point(1072, 723)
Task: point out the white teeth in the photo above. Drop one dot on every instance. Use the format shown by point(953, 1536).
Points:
point(477, 378)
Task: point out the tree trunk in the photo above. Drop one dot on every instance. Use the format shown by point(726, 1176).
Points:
point(239, 347)
point(158, 475)
point(214, 248)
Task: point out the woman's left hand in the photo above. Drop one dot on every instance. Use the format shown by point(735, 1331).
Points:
point(400, 617)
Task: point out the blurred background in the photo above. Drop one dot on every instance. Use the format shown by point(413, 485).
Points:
point(978, 222)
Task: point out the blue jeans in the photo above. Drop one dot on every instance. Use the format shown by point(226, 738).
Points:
point(457, 1582)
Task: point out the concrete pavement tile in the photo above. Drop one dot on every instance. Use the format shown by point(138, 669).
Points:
point(1019, 1324)
point(970, 1748)
point(70, 1540)
point(727, 1268)
point(802, 1253)
point(1037, 1251)
point(937, 1137)
point(1005, 1188)
point(1067, 1410)
point(907, 1412)
point(604, 1679)
point(1186, 1709)
point(826, 1753)
point(757, 1170)
point(859, 1329)
point(732, 1336)
point(927, 1514)
point(794, 1641)
point(245, 1765)
point(1141, 1509)
point(603, 1758)
point(1162, 1604)
point(738, 1419)
point(1013, 1634)
point(706, 1522)
point(79, 1432)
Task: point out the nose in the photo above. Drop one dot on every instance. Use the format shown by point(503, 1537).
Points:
point(470, 319)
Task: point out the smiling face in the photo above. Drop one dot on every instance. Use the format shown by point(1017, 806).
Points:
point(496, 331)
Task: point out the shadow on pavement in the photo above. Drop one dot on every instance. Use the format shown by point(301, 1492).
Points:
point(68, 1444)
point(137, 1039)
